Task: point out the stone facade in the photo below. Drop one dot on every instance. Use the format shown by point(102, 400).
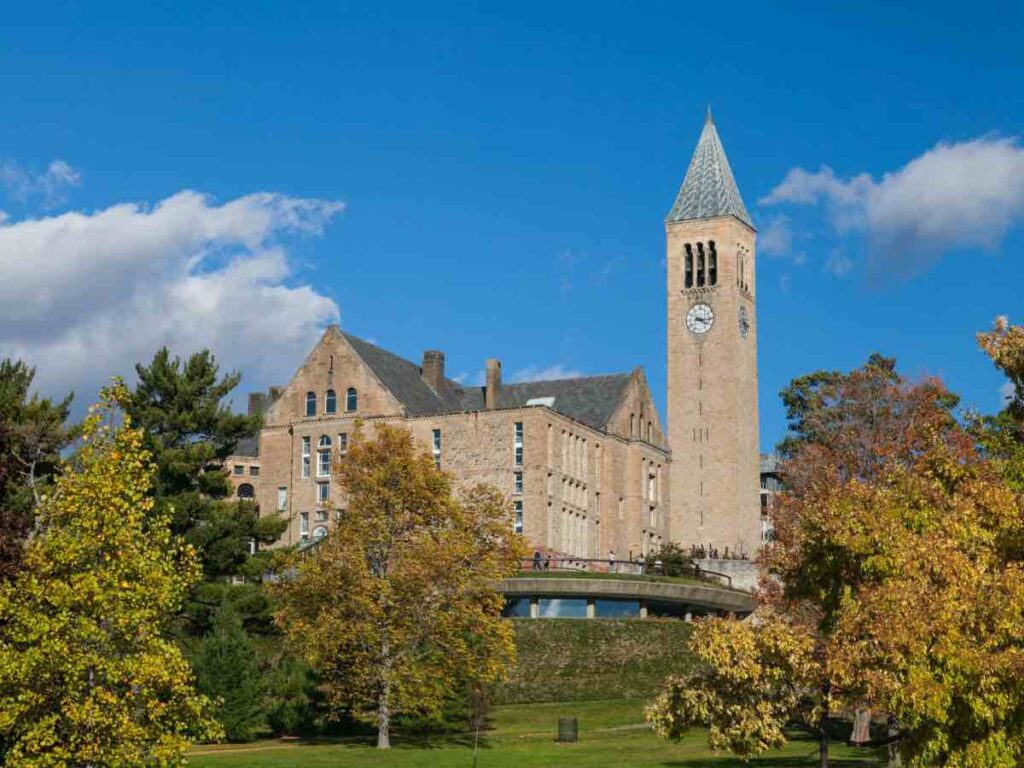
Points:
point(574, 488)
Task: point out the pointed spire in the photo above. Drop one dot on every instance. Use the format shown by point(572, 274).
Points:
point(709, 189)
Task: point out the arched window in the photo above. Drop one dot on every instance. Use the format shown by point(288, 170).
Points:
point(311, 403)
point(700, 265)
point(246, 491)
point(319, 532)
point(351, 400)
point(331, 402)
point(712, 263)
point(632, 425)
point(688, 271)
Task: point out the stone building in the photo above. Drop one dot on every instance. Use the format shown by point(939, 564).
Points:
point(585, 461)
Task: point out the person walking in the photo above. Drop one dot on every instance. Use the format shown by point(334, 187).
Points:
point(611, 561)
point(536, 560)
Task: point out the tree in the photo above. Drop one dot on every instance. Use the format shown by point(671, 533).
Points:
point(897, 563)
point(399, 604)
point(227, 671)
point(190, 431)
point(88, 675)
point(33, 432)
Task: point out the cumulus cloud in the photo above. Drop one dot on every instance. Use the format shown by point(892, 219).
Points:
point(86, 295)
point(1006, 392)
point(776, 236)
point(838, 263)
point(956, 195)
point(20, 184)
point(550, 373)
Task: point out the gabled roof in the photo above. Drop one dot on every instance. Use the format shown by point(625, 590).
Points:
point(589, 399)
point(709, 189)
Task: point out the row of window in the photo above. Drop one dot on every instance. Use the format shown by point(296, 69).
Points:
point(636, 429)
point(331, 402)
point(239, 470)
point(700, 276)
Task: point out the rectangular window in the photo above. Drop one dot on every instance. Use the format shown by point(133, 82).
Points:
point(320, 516)
point(518, 525)
point(239, 469)
point(304, 525)
point(517, 482)
point(323, 463)
point(306, 441)
point(282, 498)
point(323, 493)
point(343, 443)
point(437, 448)
point(254, 471)
point(518, 443)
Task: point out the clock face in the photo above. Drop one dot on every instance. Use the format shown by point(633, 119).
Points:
point(700, 318)
point(744, 322)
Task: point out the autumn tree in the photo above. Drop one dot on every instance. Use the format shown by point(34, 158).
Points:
point(33, 432)
point(88, 675)
point(897, 586)
point(399, 604)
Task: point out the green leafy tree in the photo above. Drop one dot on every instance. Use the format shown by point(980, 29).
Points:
point(227, 671)
point(88, 674)
point(399, 605)
point(33, 432)
point(190, 430)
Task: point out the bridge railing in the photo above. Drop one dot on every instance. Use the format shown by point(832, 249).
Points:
point(613, 567)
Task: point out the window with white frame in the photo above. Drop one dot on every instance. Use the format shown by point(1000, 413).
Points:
point(323, 493)
point(518, 443)
point(436, 443)
point(306, 456)
point(343, 443)
point(518, 525)
point(323, 457)
point(304, 525)
point(517, 482)
point(320, 516)
point(282, 498)
point(319, 532)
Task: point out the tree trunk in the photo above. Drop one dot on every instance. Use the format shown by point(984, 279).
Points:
point(822, 738)
point(384, 717)
point(823, 751)
point(861, 727)
point(894, 748)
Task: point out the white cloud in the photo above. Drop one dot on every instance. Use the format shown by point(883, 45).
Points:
point(1006, 392)
point(86, 295)
point(536, 373)
point(961, 195)
point(776, 237)
point(20, 183)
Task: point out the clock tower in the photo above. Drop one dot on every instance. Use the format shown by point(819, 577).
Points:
point(712, 357)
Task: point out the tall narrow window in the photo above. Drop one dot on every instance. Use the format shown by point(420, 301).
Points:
point(517, 526)
point(712, 263)
point(323, 457)
point(330, 402)
point(351, 400)
point(688, 269)
point(700, 265)
point(632, 425)
point(323, 493)
point(518, 444)
point(282, 498)
point(437, 448)
point(311, 403)
point(304, 525)
point(306, 456)
point(517, 483)
point(343, 443)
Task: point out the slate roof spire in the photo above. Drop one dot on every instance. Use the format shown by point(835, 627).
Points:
point(709, 188)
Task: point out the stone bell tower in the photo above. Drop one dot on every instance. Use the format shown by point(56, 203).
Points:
point(712, 357)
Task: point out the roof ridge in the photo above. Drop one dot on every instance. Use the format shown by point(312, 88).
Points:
point(570, 378)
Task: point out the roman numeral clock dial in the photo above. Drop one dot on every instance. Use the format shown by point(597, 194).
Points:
point(700, 318)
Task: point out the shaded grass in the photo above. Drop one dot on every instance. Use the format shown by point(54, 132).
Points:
point(611, 733)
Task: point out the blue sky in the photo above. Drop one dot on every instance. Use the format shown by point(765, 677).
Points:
point(492, 181)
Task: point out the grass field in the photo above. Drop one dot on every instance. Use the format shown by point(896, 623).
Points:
point(612, 733)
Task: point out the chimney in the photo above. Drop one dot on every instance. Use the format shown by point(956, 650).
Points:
point(257, 403)
point(432, 369)
point(493, 390)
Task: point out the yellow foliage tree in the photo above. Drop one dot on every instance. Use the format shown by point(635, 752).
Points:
point(400, 601)
point(88, 676)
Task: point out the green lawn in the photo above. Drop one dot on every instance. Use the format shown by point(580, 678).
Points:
point(612, 733)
